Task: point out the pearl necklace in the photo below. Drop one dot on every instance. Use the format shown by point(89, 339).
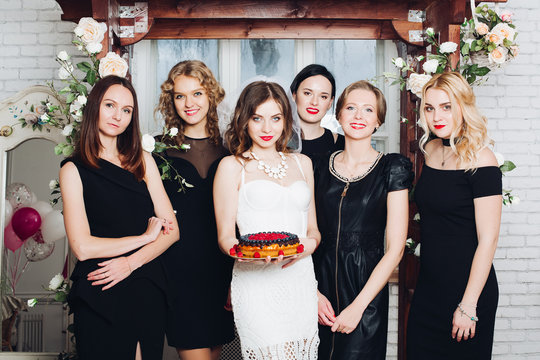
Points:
point(278, 172)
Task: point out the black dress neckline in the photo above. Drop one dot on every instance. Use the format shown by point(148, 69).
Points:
point(446, 142)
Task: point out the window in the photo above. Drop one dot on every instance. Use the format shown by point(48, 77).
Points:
point(234, 62)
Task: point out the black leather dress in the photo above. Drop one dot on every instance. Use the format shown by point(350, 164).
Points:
point(352, 224)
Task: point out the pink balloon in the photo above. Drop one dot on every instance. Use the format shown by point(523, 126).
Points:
point(11, 240)
point(25, 222)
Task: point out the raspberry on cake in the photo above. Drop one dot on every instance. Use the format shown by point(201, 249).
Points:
point(263, 244)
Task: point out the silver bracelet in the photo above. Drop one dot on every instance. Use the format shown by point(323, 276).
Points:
point(462, 311)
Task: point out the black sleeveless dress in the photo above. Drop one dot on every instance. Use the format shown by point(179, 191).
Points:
point(199, 272)
point(322, 145)
point(449, 241)
point(117, 205)
point(352, 225)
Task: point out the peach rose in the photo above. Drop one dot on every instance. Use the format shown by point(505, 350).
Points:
point(498, 55)
point(416, 82)
point(112, 64)
point(481, 29)
point(90, 31)
point(505, 31)
point(514, 49)
point(495, 38)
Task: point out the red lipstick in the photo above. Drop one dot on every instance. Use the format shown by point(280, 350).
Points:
point(312, 111)
point(267, 138)
point(438, 126)
point(357, 126)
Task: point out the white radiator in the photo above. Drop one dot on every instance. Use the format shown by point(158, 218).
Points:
point(30, 333)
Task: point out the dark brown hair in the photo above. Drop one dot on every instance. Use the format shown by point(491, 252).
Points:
point(253, 95)
point(88, 146)
point(198, 70)
point(364, 85)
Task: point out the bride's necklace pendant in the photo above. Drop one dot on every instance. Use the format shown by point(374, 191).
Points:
point(278, 172)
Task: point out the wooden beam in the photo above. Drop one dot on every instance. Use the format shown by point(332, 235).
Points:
point(260, 29)
point(280, 9)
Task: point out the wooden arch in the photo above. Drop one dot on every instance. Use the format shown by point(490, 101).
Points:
point(404, 21)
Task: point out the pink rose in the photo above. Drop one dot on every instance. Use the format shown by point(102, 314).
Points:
point(506, 16)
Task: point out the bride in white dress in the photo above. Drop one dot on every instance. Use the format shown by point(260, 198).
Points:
point(274, 301)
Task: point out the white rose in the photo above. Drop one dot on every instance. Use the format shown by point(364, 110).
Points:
point(417, 250)
point(430, 66)
point(504, 31)
point(68, 129)
point(32, 302)
point(430, 32)
point(409, 242)
point(148, 143)
point(65, 71)
point(53, 184)
point(498, 55)
point(481, 29)
point(173, 131)
point(78, 115)
point(94, 48)
point(62, 55)
point(185, 146)
point(81, 99)
point(56, 282)
point(90, 31)
point(80, 47)
point(45, 118)
point(469, 41)
point(448, 47)
point(74, 107)
point(112, 64)
point(416, 217)
point(500, 158)
point(416, 82)
point(515, 200)
point(398, 62)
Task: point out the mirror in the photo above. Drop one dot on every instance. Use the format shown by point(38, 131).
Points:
point(27, 165)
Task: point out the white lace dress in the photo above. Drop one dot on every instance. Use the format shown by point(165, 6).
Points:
point(275, 309)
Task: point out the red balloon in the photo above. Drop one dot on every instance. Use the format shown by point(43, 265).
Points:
point(11, 240)
point(25, 221)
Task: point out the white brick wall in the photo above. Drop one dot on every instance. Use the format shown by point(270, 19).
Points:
point(31, 33)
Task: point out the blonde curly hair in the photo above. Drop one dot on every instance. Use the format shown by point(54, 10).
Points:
point(470, 136)
point(215, 92)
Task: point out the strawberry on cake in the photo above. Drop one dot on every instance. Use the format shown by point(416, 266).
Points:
point(263, 244)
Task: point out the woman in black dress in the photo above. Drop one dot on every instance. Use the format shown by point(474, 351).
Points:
point(452, 314)
point(359, 193)
point(118, 221)
point(313, 89)
point(199, 272)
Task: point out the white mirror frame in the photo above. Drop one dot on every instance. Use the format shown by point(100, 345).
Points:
point(22, 100)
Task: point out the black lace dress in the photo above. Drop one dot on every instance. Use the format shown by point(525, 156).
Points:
point(200, 274)
point(445, 200)
point(322, 145)
point(352, 224)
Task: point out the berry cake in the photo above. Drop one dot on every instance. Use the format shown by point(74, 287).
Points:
point(263, 244)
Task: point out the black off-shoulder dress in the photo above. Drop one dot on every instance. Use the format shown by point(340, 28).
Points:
point(352, 226)
point(108, 324)
point(445, 200)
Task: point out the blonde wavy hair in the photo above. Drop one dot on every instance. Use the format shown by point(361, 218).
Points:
point(214, 91)
point(468, 138)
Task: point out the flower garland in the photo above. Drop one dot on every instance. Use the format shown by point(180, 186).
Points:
point(72, 98)
point(487, 41)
